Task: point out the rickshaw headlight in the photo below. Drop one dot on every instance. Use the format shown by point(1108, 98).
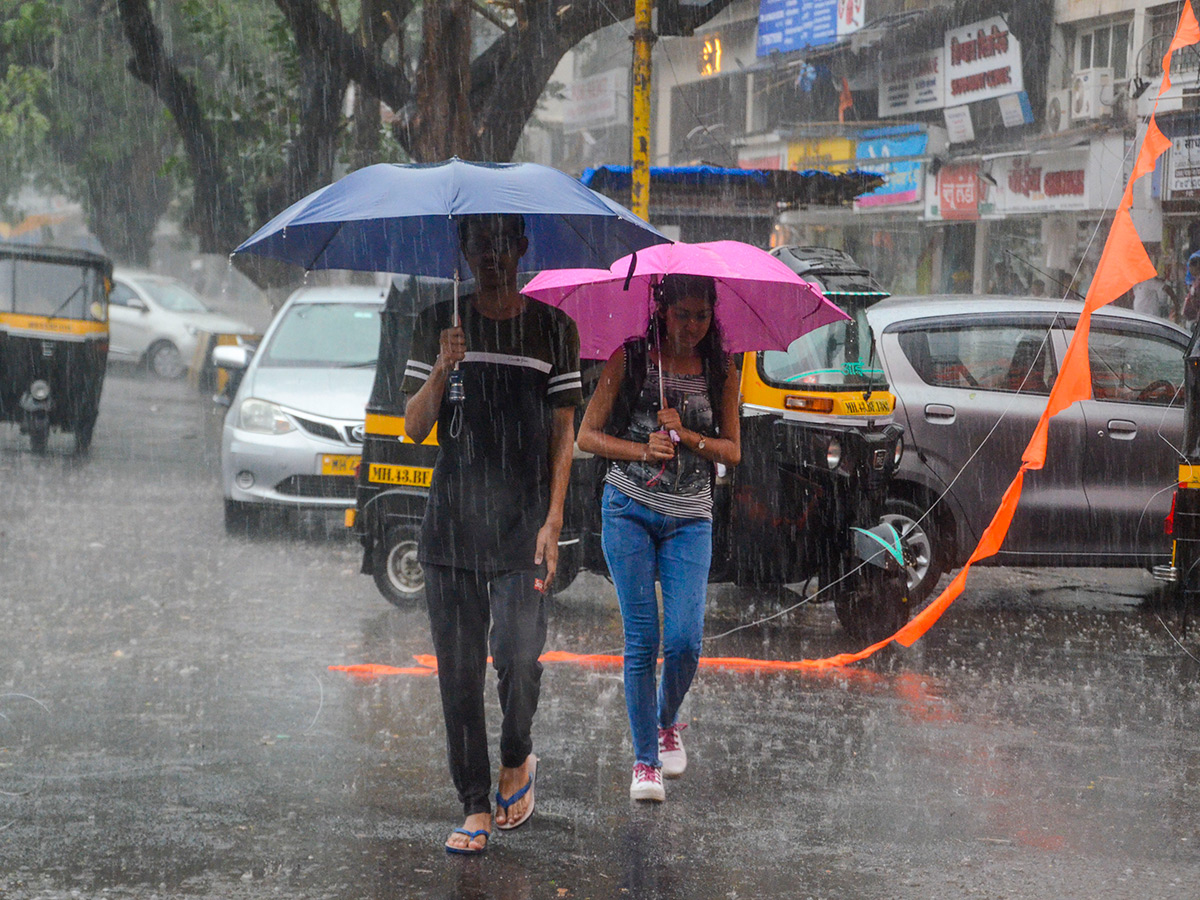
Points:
point(262, 417)
point(898, 453)
point(39, 390)
point(833, 454)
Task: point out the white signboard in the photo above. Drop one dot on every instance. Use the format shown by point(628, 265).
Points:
point(983, 61)
point(959, 127)
point(851, 16)
point(913, 83)
point(597, 101)
point(1184, 172)
point(1045, 182)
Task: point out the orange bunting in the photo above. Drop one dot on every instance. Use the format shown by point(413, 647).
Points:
point(1187, 32)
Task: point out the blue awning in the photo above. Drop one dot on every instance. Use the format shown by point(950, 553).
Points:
point(783, 186)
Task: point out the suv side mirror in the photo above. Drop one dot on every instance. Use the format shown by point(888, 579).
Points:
point(230, 356)
point(138, 304)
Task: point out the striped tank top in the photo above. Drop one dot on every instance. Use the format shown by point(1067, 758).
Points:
point(683, 486)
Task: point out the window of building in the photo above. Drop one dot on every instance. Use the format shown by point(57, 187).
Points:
point(1103, 47)
point(705, 117)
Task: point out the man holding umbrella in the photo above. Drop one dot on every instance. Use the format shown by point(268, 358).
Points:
point(489, 541)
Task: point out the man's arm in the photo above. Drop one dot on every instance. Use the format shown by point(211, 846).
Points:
point(562, 446)
point(421, 408)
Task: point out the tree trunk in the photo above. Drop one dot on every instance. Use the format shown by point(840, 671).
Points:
point(443, 124)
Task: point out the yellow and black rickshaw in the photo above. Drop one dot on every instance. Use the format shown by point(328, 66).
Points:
point(53, 340)
point(818, 449)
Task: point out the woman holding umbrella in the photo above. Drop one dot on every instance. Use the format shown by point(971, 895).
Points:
point(665, 415)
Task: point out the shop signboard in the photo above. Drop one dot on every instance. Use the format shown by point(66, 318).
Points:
point(1043, 183)
point(983, 62)
point(1183, 174)
point(787, 25)
point(904, 179)
point(597, 101)
point(831, 154)
point(959, 194)
point(911, 84)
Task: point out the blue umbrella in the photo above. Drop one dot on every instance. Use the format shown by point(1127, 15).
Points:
point(401, 218)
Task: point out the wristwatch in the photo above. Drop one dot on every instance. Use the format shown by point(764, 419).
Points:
point(700, 445)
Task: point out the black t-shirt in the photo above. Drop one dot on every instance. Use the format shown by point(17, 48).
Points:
point(491, 482)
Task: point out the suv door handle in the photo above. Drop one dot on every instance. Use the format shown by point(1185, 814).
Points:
point(941, 413)
point(1122, 429)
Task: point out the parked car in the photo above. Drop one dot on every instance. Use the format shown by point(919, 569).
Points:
point(293, 434)
point(971, 376)
point(156, 320)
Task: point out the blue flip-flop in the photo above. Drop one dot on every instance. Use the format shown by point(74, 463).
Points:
point(505, 802)
point(471, 835)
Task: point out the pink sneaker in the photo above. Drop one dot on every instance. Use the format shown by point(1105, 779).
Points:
point(670, 750)
point(647, 784)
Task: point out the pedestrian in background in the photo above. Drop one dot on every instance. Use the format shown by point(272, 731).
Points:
point(665, 412)
point(495, 509)
point(1191, 300)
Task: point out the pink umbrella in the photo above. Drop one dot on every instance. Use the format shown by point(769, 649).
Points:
point(761, 303)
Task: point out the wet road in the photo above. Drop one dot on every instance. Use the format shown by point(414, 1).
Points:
point(169, 726)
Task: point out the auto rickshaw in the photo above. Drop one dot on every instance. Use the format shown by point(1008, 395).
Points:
point(818, 449)
point(53, 340)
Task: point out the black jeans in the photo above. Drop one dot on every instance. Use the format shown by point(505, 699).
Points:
point(461, 604)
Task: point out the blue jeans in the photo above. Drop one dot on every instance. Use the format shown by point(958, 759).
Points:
point(640, 544)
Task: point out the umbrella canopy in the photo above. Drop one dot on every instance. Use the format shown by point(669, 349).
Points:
point(761, 303)
point(402, 218)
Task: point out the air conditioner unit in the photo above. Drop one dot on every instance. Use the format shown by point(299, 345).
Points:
point(1091, 93)
point(1058, 111)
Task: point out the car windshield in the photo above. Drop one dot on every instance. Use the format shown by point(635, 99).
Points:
point(172, 295)
point(40, 288)
point(832, 358)
point(325, 335)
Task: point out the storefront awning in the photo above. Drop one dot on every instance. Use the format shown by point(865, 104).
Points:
point(780, 187)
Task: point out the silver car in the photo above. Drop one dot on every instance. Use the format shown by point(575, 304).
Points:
point(293, 434)
point(971, 376)
point(156, 320)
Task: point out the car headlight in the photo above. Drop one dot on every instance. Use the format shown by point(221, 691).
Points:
point(833, 454)
point(192, 330)
point(263, 418)
point(898, 452)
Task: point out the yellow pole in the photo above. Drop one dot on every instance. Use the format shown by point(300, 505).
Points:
point(643, 41)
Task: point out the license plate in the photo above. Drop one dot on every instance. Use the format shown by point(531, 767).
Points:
point(337, 464)
point(408, 476)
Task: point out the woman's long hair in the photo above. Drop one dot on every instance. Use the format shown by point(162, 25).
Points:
point(711, 349)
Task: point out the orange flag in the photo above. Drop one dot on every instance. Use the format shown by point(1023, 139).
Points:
point(845, 100)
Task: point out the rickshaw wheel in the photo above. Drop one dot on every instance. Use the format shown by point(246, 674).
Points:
point(876, 607)
point(398, 573)
point(39, 436)
point(83, 435)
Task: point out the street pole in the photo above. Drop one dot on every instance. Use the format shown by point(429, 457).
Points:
point(643, 42)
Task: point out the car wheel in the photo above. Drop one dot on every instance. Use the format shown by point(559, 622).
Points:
point(922, 546)
point(241, 517)
point(166, 361)
point(398, 573)
point(872, 606)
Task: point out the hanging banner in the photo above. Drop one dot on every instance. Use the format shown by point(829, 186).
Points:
point(983, 61)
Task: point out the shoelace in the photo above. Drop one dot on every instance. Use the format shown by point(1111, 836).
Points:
point(643, 772)
point(670, 736)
